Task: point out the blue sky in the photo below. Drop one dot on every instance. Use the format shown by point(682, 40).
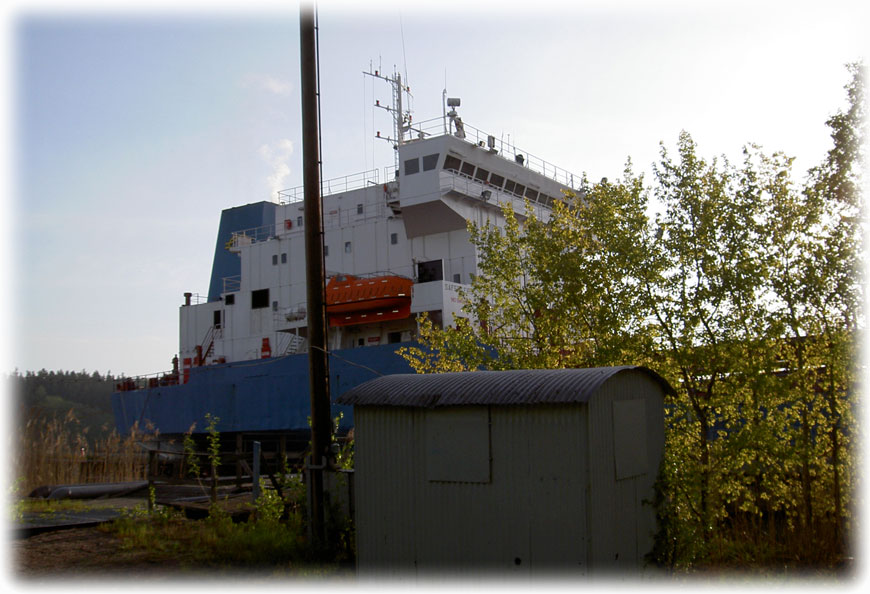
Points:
point(128, 132)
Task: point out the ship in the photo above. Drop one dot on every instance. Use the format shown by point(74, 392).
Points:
point(396, 245)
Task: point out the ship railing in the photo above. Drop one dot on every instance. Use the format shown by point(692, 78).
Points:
point(287, 316)
point(336, 185)
point(149, 380)
point(475, 136)
point(198, 298)
point(249, 236)
point(232, 284)
point(330, 274)
point(332, 219)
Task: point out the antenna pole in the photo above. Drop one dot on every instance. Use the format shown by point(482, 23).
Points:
point(400, 134)
point(444, 107)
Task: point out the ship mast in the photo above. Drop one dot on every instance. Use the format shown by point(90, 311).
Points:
point(401, 116)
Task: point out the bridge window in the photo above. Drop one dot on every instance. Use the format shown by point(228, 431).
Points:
point(412, 166)
point(510, 185)
point(519, 190)
point(481, 174)
point(467, 169)
point(452, 163)
point(430, 162)
point(531, 194)
point(496, 180)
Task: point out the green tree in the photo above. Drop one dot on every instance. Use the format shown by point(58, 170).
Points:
point(744, 293)
point(559, 292)
point(816, 283)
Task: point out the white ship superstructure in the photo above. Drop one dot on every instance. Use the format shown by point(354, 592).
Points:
point(379, 228)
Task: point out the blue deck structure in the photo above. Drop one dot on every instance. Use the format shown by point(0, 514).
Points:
point(251, 396)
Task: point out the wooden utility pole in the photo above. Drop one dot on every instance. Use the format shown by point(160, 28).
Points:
point(318, 369)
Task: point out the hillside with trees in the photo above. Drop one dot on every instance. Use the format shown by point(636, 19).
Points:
point(49, 395)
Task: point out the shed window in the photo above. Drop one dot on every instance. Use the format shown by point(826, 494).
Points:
point(259, 298)
point(230, 299)
point(394, 238)
point(629, 438)
point(430, 162)
point(217, 318)
point(299, 221)
point(347, 247)
point(284, 258)
point(274, 259)
point(412, 166)
point(359, 209)
point(325, 251)
point(457, 444)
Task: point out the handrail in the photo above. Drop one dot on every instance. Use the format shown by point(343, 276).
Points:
point(345, 183)
point(476, 136)
point(148, 380)
point(232, 284)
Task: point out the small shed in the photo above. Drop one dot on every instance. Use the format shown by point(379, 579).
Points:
point(527, 471)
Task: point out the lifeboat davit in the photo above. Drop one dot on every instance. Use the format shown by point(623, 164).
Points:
point(354, 300)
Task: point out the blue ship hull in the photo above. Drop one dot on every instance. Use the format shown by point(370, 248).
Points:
point(252, 396)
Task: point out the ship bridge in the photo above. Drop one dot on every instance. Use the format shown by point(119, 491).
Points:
point(447, 180)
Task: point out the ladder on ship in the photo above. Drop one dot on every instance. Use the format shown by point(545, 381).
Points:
point(290, 344)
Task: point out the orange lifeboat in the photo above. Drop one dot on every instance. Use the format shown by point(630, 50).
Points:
point(354, 300)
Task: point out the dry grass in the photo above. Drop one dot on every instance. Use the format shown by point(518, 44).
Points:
point(54, 451)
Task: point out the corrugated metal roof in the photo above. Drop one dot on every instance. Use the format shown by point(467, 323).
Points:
point(520, 386)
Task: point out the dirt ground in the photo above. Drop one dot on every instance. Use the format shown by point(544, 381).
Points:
point(78, 555)
point(81, 552)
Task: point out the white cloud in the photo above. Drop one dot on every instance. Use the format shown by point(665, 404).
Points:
point(276, 156)
point(268, 83)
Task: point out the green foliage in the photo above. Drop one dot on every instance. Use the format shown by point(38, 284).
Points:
point(214, 440)
point(191, 457)
point(269, 505)
point(271, 540)
point(744, 292)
